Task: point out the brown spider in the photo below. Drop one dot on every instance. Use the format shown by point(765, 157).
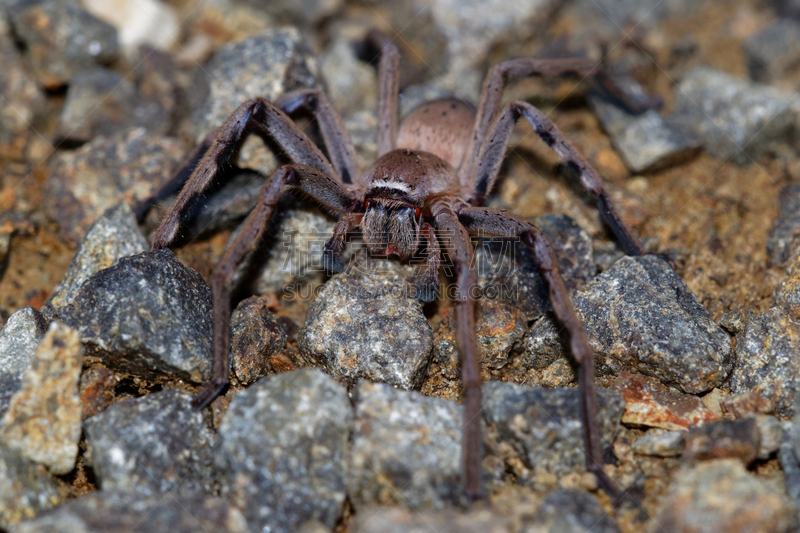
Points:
point(430, 178)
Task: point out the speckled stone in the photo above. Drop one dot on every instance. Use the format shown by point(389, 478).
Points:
point(787, 295)
point(62, 39)
point(21, 101)
point(256, 335)
point(366, 323)
point(26, 488)
point(113, 236)
point(153, 444)
point(544, 425)
point(767, 360)
point(641, 317)
point(43, 421)
point(129, 166)
point(406, 449)
point(283, 449)
point(660, 443)
point(148, 315)
point(18, 341)
point(721, 495)
point(724, 439)
point(773, 51)
point(507, 269)
point(107, 511)
point(734, 119)
point(784, 238)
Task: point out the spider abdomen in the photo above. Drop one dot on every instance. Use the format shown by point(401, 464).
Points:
point(441, 127)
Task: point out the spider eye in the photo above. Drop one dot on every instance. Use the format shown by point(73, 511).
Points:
point(417, 212)
point(367, 204)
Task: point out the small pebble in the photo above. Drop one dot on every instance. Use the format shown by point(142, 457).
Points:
point(660, 443)
point(784, 238)
point(773, 51)
point(723, 439)
point(19, 339)
point(256, 335)
point(22, 100)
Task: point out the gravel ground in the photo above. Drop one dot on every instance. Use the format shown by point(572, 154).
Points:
point(343, 409)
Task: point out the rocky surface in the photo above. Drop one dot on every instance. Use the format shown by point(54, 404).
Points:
point(405, 459)
point(256, 336)
point(22, 100)
point(641, 317)
point(26, 488)
point(128, 166)
point(366, 323)
point(115, 235)
point(736, 120)
point(767, 360)
point(155, 444)
point(19, 339)
point(148, 315)
point(787, 295)
point(43, 421)
point(784, 238)
point(61, 39)
point(283, 449)
point(107, 511)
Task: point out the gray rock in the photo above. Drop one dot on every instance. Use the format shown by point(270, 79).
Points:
point(43, 420)
point(400, 520)
point(405, 449)
point(351, 86)
point(153, 444)
point(646, 142)
point(267, 65)
point(101, 102)
point(543, 426)
point(734, 119)
point(773, 51)
point(148, 315)
point(366, 323)
point(660, 443)
point(789, 458)
point(283, 448)
point(129, 166)
point(787, 295)
point(26, 488)
point(21, 101)
point(772, 434)
point(721, 495)
point(767, 360)
point(784, 237)
point(508, 271)
point(724, 439)
point(61, 39)
point(107, 511)
point(572, 511)
point(115, 235)
point(18, 341)
point(256, 335)
point(641, 317)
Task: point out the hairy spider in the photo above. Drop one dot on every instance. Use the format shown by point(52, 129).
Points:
point(430, 178)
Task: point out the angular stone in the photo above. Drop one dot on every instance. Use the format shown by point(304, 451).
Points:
point(406, 449)
point(773, 51)
point(767, 360)
point(18, 341)
point(154, 444)
point(544, 426)
point(646, 142)
point(366, 323)
point(724, 439)
point(508, 271)
point(105, 511)
point(256, 336)
point(98, 390)
point(26, 488)
point(721, 495)
point(148, 315)
point(283, 449)
point(734, 119)
point(784, 238)
point(641, 317)
point(115, 235)
point(660, 443)
point(21, 101)
point(129, 166)
point(43, 421)
point(650, 403)
point(101, 102)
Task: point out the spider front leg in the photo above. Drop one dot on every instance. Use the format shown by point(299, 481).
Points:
point(493, 151)
point(311, 182)
point(489, 222)
point(428, 282)
point(334, 248)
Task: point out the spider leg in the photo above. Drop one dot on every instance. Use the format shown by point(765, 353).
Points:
point(455, 240)
point(309, 181)
point(388, 90)
point(494, 223)
point(337, 141)
point(428, 282)
point(493, 151)
point(497, 78)
point(332, 253)
point(256, 116)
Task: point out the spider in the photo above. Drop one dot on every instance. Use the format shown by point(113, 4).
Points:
point(429, 180)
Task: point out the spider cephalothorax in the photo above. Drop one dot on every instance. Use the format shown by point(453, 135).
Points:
point(425, 188)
